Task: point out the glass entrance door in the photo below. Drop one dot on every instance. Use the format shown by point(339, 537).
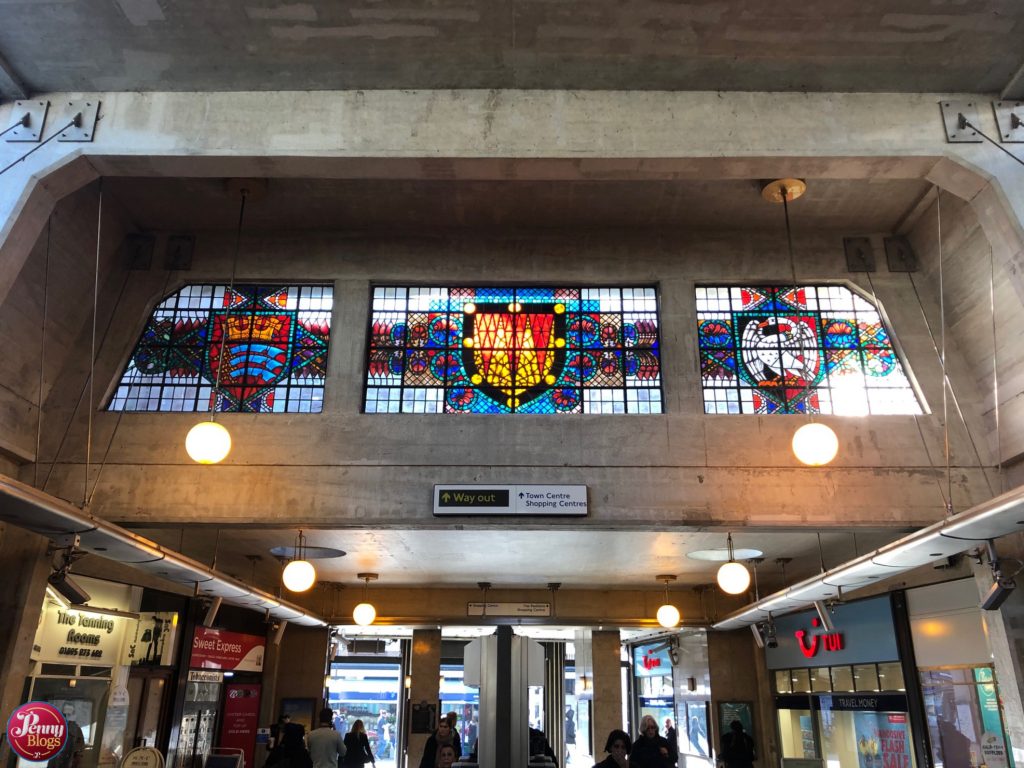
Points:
point(368, 691)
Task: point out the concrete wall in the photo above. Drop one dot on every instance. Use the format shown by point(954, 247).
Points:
point(682, 468)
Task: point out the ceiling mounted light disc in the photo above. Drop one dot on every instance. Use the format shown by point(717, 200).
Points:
point(299, 575)
point(208, 442)
point(668, 616)
point(815, 444)
point(793, 188)
point(733, 578)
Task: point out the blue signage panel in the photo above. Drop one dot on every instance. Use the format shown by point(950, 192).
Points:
point(863, 633)
point(651, 663)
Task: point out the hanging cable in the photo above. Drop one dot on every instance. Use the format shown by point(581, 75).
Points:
point(42, 351)
point(92, 351)
point(24, 122)
point(942, 356)
point(995, 366)
point(963, 122)
point(243, 193)
point(75, 122)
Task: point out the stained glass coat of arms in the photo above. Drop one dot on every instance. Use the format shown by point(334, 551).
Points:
point(803, 349)
point(265, 346)
point(513, 350)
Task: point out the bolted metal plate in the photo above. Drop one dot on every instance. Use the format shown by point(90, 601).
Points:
point(899, 255)
point(859, 255)
point(179, 252)
point(1010, 119)
point(35, 113)
point(137, 251)
point(86, 125)
point(955, 133)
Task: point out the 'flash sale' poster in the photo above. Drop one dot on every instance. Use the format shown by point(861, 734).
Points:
point(882, 740)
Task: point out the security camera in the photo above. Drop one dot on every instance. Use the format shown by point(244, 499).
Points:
point(71, 591)
point(997, 594)
point(770, 638)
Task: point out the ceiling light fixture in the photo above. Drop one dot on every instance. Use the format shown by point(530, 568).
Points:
point(668, 615)
point(365, 614)
point(299, 575)
point(814, 444)
point(209, 442)
point(733, 578)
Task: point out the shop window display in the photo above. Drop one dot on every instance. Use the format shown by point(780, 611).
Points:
point(965, 723)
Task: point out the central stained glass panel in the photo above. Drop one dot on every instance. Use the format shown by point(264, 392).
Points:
point(513, 350)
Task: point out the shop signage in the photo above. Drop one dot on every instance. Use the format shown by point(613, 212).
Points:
point(37, 731)
point(648, 662)
point(152, 640)
point(863, 633)
point(240, 719)
point(220, 649)
point(510, 500)
point(508, 609)
point(143, 757)
point(203, 676)
point(72, 636)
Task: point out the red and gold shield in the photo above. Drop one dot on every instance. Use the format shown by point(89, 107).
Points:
point(513, 352)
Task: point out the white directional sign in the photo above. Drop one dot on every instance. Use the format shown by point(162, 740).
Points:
point(510, 500)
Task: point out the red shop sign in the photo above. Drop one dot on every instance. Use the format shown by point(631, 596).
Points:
point(240, 718)
point(220, 649)
point(37, 731)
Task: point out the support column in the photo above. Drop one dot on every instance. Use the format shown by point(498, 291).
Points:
point(1005, 630)
point(607, 715)
point(426, 683)
point(24, 556)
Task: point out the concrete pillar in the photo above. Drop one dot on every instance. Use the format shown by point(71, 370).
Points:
point(24, 557)
point(426, 682)
point(607, 714)
point(738, 673)
point(1005, 630)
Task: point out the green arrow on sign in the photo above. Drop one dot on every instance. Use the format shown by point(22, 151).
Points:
point(445, 496)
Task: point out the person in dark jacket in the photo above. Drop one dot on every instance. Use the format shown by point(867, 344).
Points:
point(357, 746)
point(651, 750)
point(443, 736)
point(737, 747)
point(617, 746)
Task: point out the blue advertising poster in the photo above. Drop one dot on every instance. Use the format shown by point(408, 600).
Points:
point(882, 739)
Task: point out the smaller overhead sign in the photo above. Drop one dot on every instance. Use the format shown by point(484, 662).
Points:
point(508, 609)
point(555, 500)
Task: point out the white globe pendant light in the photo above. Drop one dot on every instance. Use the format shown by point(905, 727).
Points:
point(815, 444)
point(668, 615)
point(733, 578)
point(365, 614)
point(299, 575)
point(208, 442)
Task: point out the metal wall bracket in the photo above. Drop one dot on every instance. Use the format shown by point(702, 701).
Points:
point(1010, 120)
point(29, 116)
point(859, 255)
point(84, 129)
point(899, 255)
point(956, 132)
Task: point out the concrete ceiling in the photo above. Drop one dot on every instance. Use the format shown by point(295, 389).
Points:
point(517, 557)
point(417, 205)
point(260, 45)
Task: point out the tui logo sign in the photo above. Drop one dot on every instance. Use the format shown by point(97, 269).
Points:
point(649, 661)
point(830, 641)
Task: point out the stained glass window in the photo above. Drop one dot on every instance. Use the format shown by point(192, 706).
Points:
point(513, 350)
point(813, 348)
point(274, 340)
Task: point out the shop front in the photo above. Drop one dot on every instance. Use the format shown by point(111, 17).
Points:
point(840, 696)
point(86, 660)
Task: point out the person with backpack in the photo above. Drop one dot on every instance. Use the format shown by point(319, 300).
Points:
point(737, 747)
